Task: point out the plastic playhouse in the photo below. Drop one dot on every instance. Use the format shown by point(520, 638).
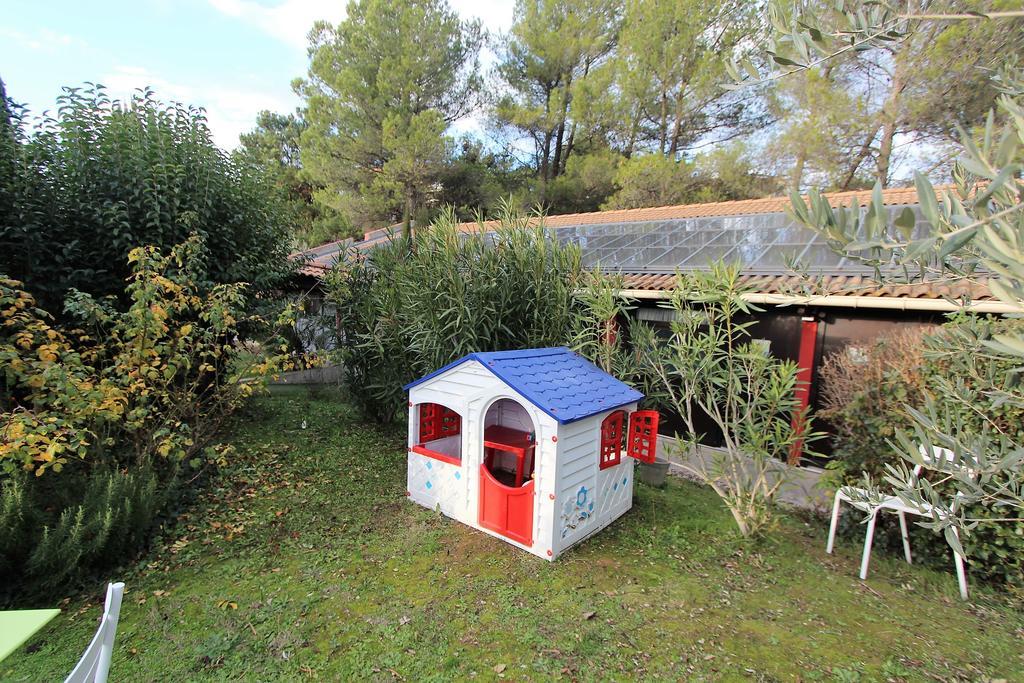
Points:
point(527, 446)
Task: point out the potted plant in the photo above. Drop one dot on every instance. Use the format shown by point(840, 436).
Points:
point(653, 473)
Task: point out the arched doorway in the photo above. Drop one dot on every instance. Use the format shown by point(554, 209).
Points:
point(507, 470)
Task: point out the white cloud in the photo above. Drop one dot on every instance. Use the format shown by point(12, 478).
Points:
point(288, 21)
point(496, 15)
point(230, 109)
point(42, 40)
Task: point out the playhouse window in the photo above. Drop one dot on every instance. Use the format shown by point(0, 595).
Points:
point(612, 439)
point(439, 432)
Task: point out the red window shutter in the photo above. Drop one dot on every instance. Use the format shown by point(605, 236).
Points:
point(450, 422)
point(437, 422)
point(611, 439)
point(642, 442)
point(429, 422)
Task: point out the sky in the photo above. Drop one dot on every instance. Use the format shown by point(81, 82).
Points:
point(232, 57)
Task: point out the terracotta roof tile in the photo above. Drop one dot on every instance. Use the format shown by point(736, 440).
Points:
point(743, 207)
point(832, 285)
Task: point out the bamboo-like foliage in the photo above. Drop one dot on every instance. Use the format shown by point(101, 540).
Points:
point(411, 306)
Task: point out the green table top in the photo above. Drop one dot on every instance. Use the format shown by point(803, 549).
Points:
point(17, 626)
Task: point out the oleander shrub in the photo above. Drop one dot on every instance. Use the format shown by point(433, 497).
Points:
point(408, 307)
point(867, 392)
point(709, 363)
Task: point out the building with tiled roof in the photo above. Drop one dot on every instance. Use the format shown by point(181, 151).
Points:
point(648, 246)
point(814, 302)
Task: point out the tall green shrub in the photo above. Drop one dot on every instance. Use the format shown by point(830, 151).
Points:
point(81, 188)
point(409, 307)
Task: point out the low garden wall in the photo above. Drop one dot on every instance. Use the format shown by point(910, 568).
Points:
point(804, 488)
point(329, 374)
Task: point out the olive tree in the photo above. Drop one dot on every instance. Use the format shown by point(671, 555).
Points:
point(976, 236)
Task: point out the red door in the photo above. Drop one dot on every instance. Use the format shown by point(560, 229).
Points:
point(506, 510)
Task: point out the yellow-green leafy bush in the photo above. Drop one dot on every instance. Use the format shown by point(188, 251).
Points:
point(96, 419)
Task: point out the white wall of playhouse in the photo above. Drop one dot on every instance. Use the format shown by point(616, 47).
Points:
point(482, 454)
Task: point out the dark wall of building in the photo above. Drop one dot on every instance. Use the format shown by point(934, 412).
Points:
point(841, 328)
point(838, 328)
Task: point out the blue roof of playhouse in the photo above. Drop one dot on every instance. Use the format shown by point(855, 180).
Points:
point(562, 383)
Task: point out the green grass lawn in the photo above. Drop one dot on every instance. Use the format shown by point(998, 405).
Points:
point(306, 560)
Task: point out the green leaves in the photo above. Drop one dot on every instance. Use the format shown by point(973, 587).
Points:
point(385, 62)
point(710, 365)
point(155, 380)
point(905, 222)
point(955, 241)
point(100, 177)
point(409, 308)
point(926, 199)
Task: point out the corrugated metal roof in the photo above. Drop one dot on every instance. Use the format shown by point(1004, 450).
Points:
point(563, 384)
point(649, 245)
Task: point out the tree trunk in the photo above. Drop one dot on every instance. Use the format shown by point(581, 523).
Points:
point(545, 157)
point(559, 161)
point(858, 160)
point(677, 125)
point(798, 170)
point(890, 124)
point(663, 123)
point(572, 130)
point(634, 130)
point(545, 150)
point(568, 146)
point(886, 122)
point(885, 151)
point(407, 216)
point(556, 161)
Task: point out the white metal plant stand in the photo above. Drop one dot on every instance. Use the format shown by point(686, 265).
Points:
point(856, 498)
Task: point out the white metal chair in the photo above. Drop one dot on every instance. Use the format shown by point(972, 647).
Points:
point(95, 663)
point(854, 497)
